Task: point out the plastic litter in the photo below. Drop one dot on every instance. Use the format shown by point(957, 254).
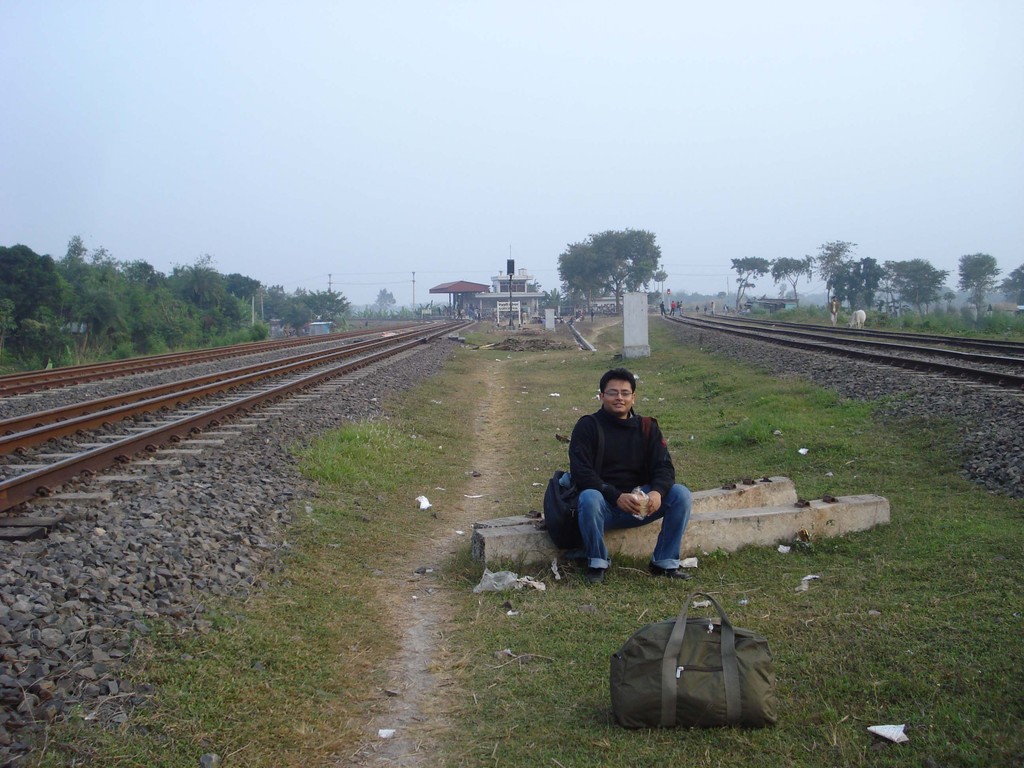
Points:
point(689, 562)
point(385, 733)
point(424, 502)
point(501, 581)
point(893, 733)
point(805, 582)
point(784, 549)
point(701, 603)
point(644, 500)
point(802, 451)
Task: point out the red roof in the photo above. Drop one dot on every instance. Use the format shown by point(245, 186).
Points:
point(460, 286)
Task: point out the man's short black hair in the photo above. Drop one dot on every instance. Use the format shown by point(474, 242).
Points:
point(619, 374)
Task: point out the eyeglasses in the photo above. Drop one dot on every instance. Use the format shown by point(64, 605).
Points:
point(625, 394)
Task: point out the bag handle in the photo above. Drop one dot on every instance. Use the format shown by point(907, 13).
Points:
point(670, 663)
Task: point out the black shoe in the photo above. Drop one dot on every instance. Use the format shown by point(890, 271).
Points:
point(594, 575)
point(671, 573)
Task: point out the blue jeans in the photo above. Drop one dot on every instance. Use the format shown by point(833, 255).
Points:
point(596, 516)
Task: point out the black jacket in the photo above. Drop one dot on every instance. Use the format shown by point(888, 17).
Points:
point(627, 461)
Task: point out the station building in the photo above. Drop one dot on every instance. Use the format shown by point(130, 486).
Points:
point(484, 302)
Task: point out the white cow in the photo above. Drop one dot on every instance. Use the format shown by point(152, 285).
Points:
point(857, 319)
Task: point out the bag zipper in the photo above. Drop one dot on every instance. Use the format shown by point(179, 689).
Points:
point(680, 669)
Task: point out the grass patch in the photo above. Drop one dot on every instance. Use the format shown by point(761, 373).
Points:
point(916, 622)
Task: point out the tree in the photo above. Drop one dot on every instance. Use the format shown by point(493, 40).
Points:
point(242, 287)
point(385, 301)
point(832, 259)
point(30, 281)
point(978, 273)
point(1013, 286)
point(199, 282)
point(551, 299)
point(613, 261)
point(634, 257)
point(7, 323)
point(748, 269)
point(914, 282)
point(857, 282)
point(143, 273)
point(580, 271)
point(328, 305)
point(790, 270)
point(660, 277)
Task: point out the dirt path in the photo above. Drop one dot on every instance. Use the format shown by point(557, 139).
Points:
point(415, 708)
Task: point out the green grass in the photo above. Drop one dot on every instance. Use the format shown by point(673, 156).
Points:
point(916, 622)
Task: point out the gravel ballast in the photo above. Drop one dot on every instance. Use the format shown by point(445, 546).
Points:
point(73, 604)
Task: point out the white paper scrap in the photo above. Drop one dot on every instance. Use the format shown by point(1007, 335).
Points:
point(784, 549)
point(385, 733)
point(555, 571)
point(473, 495)
point(891, 732)
point(554, 394)
point(424, 502)
point(802, 451)
point(688, 562)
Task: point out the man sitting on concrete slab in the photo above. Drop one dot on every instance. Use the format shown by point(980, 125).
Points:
point(635, 457)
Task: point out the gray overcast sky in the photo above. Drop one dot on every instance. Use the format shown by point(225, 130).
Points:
point(368, 140)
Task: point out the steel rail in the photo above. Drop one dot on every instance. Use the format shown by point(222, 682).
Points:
point(828, 347)
point(804, 331)
point(30, 429)
point(993, 345)
point(41, 481)
point(33, 381)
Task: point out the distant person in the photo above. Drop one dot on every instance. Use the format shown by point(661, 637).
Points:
point(630, 460)
point(662, 306)
point(833, 308)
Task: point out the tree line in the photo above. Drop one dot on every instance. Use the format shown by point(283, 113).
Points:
point(893, 287)
point(88, 306)
point(612, 262)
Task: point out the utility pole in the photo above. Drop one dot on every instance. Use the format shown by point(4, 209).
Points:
point(329, 284)
point(511, 267)
point(414, 292)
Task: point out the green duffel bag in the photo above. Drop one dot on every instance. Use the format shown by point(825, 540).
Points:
point(693, 672)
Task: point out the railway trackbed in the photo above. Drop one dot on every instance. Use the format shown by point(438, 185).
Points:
point(1000, 365)
point(98, 434)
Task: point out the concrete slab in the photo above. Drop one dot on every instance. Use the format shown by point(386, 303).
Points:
point(732, 529)
point(517, 538)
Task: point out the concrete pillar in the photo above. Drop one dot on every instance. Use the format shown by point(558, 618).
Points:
point(549, 319)
point(634, 326)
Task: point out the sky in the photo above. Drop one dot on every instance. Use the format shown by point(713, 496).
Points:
point(361, 146)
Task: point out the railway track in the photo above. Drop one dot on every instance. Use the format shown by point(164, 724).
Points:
point(109, 431)
point(999, 364)
point(33, 381)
